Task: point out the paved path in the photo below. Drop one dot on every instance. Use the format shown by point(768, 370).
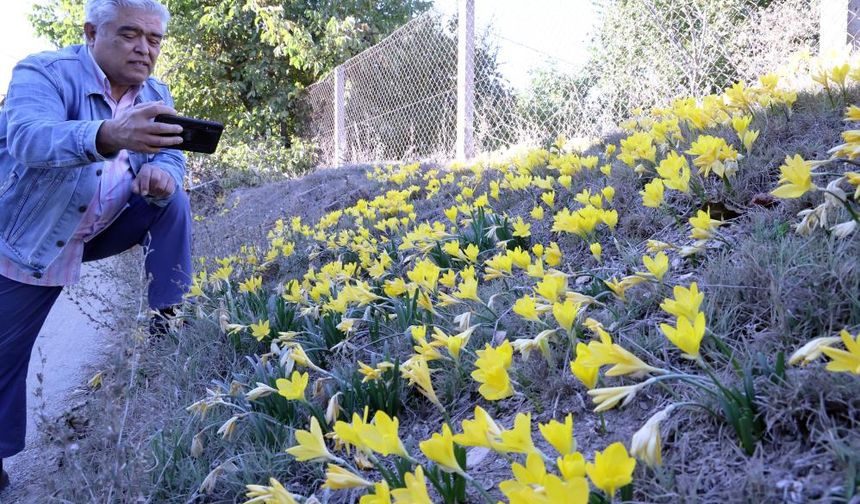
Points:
point(71, 343)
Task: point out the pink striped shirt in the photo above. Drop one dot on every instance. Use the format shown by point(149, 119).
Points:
point(108, 202)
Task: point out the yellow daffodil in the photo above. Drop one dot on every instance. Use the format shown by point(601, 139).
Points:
point(703, 226)
point(518, 439)
point(844, 361)
point(440, 449)
point(311, 445)
point(596, 250)
point(571, 466)
point(582, 367)
point(675, 172)
point(657, 266)
point(686, 336)
point(260, 330)
point(526, 307)
point(468, 289)
point(552, 286)
point(275, 493)
point(623, 362)
point(686, 302)
point(417, 372)
point(559, 435)
point(612, 469)
point(492, 371)
point(796, 178)
point(415, 491)
point(381, 494)
point(294, 388)
point(522, 229)
point(553, 254)
point(565, 313)
point(480, 431)
point(652, 195)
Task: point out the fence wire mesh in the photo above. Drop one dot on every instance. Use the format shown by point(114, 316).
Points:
point(400, 96)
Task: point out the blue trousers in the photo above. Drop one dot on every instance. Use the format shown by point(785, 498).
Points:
point(165, 231)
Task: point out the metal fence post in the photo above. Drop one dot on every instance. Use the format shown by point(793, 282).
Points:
point(466, 80)
point(339, 118)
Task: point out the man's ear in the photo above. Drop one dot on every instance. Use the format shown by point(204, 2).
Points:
point(90, 33)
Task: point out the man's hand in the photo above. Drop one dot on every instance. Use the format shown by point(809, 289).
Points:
point(153, 181)
point(134, 129)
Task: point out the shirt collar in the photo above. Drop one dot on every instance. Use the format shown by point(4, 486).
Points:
point(101, 82)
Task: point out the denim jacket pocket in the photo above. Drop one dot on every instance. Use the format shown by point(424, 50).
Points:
point(37, 194)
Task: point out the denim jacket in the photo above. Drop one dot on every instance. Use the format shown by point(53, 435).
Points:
point(49, 165)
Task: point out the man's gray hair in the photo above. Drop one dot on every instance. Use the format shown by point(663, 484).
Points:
point(99, 12)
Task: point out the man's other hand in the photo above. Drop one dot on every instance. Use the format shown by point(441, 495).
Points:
point(134, 129)
point(153, 181)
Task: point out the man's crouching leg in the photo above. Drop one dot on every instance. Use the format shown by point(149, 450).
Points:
point(165, 232)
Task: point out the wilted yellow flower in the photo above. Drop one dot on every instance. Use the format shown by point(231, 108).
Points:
point(812, 350)
point(607, 398)
point(646, 442)
point(338, 478)
point(612, 469)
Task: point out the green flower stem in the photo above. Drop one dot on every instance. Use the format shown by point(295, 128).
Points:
point(486, 496)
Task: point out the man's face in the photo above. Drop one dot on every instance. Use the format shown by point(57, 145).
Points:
point(126, 48)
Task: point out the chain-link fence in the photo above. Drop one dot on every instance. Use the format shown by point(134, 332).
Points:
point(399, 98)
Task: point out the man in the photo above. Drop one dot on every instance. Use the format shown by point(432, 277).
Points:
point(85, 173)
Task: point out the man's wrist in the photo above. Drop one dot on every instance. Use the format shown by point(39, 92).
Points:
point(105, 142)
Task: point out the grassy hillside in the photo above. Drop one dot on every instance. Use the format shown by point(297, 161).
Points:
point(545, 325)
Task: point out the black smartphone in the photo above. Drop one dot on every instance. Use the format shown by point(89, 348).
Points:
point(198, 135)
